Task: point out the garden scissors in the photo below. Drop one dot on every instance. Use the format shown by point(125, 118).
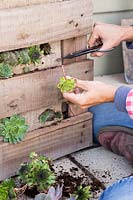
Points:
point(86, 51)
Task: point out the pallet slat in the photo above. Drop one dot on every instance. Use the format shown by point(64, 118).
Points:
point(38, 24)
point(39, 89)
point(69, 136)
point(47, 61)
point(5, 4)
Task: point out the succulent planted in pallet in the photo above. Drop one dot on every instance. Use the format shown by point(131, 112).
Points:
point(49, 115)
point(35, 54)
point(23, 56)
point(5, 71)
point(7, 191)
point(82, 193)
point(66, 85)
point(37, 173)
point(46, 48)
point(13, 129)
point(9, 58)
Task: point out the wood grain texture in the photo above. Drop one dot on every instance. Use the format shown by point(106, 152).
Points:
point(38, 24)
point(69, 136)
point(51, 60)
point(5, 4)
point(39, 89)
point(72, 45)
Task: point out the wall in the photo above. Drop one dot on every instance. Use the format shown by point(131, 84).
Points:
point(111, 12)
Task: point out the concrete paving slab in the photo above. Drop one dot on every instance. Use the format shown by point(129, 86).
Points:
point(105, 165)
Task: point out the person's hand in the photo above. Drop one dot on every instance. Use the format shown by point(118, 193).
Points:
point(93, 93)
point(109, 35)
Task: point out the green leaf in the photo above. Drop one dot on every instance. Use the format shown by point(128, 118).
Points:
point(47, 115)
point(35, 54)
point(13, 129)
point(7, 190)
point(66, 85)
point(5, 71)
point(37, 172)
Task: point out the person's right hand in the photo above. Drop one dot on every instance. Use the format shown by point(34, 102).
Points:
point(110, 35)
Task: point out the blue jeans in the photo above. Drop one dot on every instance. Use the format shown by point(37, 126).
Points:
point(121, 190)
point(107, 115)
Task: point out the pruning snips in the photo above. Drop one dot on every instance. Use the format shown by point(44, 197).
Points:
point(86, 51)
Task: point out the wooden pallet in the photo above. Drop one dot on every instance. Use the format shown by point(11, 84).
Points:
point(64, 25)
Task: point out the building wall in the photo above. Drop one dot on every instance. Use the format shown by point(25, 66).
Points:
point(111, 12)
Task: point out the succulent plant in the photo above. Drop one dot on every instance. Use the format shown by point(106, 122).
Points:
point(13, 129)
point(49, 115)
point(37, 172)
point(5, 71)
point(46, 48)
point(23, 56)
point(9, 58)
point(66, 85)
point(35, 54)
point(82, 193)
point(7, 190)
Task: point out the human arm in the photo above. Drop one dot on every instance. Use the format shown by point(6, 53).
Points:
point(95, 92)
point(110, 35)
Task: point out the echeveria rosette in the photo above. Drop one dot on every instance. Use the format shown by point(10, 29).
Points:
point(13, 129)
point(5, 71)
point(35, 54)
point(82, 193)
point(37, 173)
point(66, 85)
point(7, 190)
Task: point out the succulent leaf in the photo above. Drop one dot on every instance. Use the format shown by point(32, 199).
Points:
point(7, 190)
point(66, 85)
point(5, 71)
point(13, 129)
point(37, 172)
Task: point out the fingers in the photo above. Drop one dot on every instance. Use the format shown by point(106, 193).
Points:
point(79, 83)
point(72, 97)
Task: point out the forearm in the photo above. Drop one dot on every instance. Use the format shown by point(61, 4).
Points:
point(124, 100)
point(127, 33)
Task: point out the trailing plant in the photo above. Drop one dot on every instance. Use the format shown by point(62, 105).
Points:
point(49, 115)
point(13, 129)
point(82, 193)
point(66, 85)
point(5, 71)
point(35, 54)
point(37, 172)
point(7, 191)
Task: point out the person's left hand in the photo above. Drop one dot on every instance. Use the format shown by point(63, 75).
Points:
point(93, 93)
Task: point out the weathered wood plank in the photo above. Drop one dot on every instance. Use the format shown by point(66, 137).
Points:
point(38, 24)
point(38, 90)
point(72, 45)
point(4, 4)
point(51, 60)
point(69, 136)
point(127, 55)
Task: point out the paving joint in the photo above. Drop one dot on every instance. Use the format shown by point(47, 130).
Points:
point(87, 172)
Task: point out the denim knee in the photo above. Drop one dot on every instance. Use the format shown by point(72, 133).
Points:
point(106, 114)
